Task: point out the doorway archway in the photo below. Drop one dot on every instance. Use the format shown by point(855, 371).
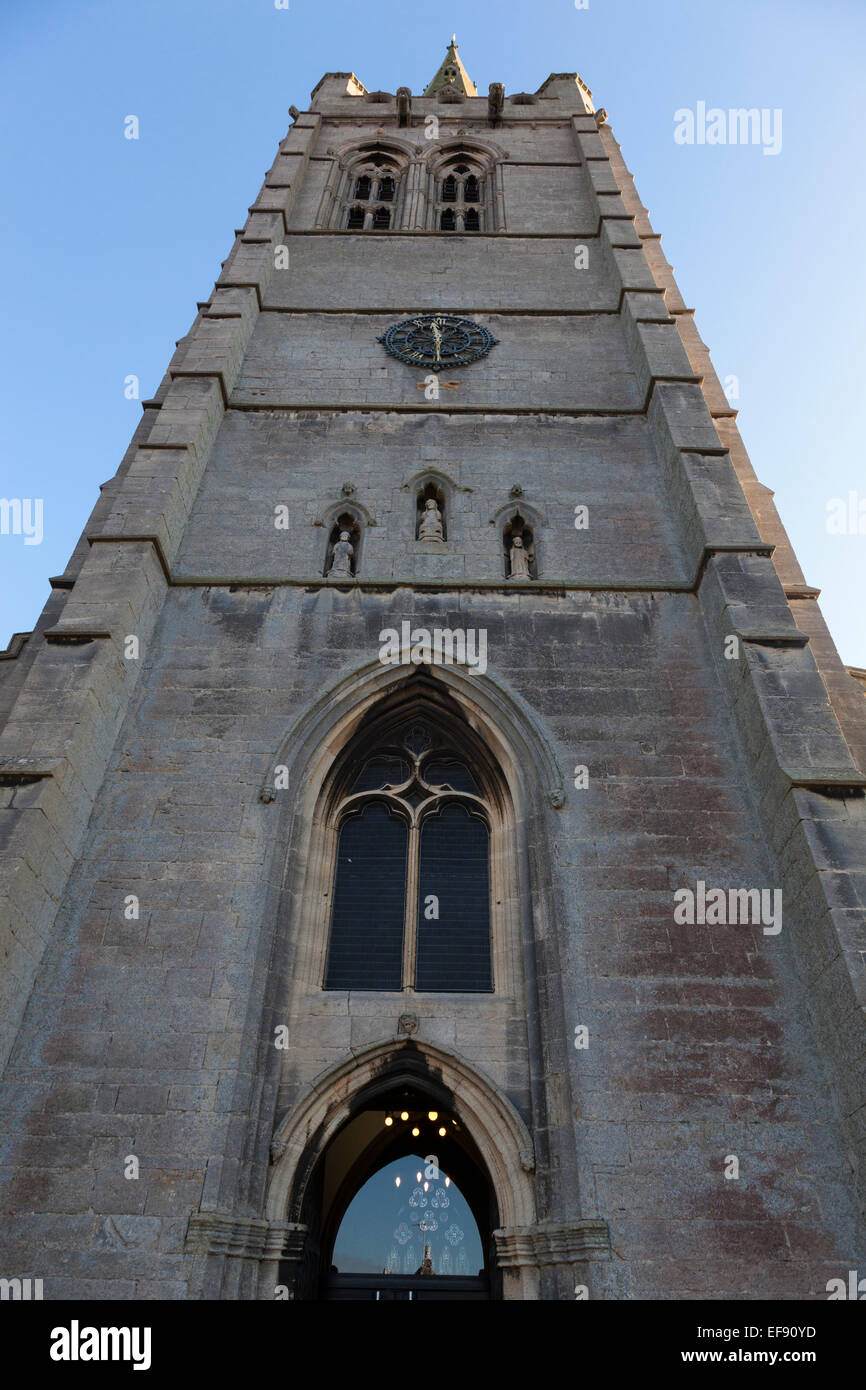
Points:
point(337, 1137)
point(404, 1204)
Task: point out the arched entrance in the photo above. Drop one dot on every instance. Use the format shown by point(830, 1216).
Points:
point(405, 1206)
point(350, 1128)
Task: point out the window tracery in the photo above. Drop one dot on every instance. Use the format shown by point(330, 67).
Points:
point(373, 187)
point(460, 194)
point(411, 897)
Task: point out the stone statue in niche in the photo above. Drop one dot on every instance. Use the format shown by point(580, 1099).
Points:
point(519, 560)
point(341, 560)
point(431, 522)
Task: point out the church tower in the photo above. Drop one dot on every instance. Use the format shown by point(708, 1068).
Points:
point(433, 806)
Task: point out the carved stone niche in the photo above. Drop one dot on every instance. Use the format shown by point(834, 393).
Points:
point(431, 521)
point(343, 551)
point(518, 541)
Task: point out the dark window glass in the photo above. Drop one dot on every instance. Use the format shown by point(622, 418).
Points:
point(470, 220)
point(449, 189)
point(366, 950)
point(454, 948)
point(438, 771)
point(362, 186)
point(470, 190)
point(382, 218)
point(380, 772)
point(447, 222)
point(355, 221)
point(386, 190)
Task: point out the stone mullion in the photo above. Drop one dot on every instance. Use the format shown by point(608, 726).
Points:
point(410, 920)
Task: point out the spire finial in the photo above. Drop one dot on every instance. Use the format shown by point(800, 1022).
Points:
point(452, 74)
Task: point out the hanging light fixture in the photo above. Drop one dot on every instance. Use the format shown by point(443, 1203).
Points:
point(404, 1114)
point(432, 1114)
point(415, 1132)
point(397, 1181)
point(442, 1130)
point(388, 1120)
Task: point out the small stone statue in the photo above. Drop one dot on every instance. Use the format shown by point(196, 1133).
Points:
point(519, 559)
point(341, 560)
point(431, 522)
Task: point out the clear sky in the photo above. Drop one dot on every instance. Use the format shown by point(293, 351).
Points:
point(108, 243)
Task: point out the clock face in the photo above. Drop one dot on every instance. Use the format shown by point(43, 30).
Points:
point(437, 341)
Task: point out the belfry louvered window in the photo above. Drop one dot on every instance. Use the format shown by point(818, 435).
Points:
point(370, 193)
point(411, 892)
point(460, 197)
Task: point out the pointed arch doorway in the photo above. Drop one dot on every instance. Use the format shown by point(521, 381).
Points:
point(406, 1209)
point(341, 1150)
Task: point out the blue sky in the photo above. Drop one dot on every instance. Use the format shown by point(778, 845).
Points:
point(108, 243)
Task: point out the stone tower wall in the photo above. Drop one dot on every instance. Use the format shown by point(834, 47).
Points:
point(153, 1036)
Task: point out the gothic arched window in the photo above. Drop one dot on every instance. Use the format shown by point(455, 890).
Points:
point(370, 189)
point(411, 889)
point(461, 194)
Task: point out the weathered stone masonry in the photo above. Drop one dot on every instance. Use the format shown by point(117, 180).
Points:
point(153, 1036)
